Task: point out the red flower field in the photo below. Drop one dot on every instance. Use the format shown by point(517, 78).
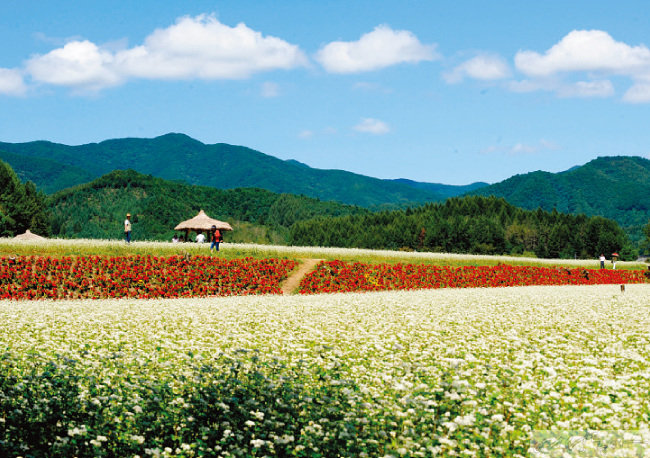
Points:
point(338, 276)
point(35, 277)
point(99, 277)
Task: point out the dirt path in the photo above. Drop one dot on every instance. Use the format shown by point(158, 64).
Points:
point(291, 283)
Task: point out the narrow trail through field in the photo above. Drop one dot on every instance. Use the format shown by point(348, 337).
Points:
point(306, 266)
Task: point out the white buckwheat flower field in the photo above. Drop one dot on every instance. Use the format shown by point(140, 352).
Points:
point(419, 373)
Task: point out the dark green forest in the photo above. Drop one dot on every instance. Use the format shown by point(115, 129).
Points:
point(97, 209)
point(175, 157)
point(476, 224)
point(613, 187)
point(470, 224)
point(22, 207)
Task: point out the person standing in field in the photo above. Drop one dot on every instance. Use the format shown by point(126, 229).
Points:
point(127, 228)
point(602, 261)
point(216, 238)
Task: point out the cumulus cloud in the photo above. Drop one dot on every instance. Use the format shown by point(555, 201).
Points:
point(202, 47)
point(585, 50)
point(193, 48)
point(593, 53)
point(11, 82)
point(483, 67)
point(638, 93)
point(79, 64)
point(372, 126)
point(383, 47)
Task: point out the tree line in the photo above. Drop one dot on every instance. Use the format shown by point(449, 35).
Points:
point(473, 224)
point(22, 207)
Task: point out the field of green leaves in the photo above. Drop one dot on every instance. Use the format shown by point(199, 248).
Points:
point(468, 372)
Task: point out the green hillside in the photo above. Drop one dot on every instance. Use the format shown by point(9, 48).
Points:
point(470, 224)
point(50, 175)
point(179, 157)
point(614, 187)
point(97, 209)
point(444, 190)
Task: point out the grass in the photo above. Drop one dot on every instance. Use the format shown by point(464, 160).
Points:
point(86, 247)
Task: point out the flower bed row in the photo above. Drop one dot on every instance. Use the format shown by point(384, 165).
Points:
point(34, 277)
point(339, 276)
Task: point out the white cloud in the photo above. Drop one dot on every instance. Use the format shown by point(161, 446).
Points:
point(483, 67)
point(306, 134)
point(383, 47)
point(204, 48)
point(600, 88)
point(585, 50)
point(372, 126)
point(270, 89)
point(11, 82)
point(596, 55)
point(639, 93)
point(522, 148)
point(192, 48)
point(79, 64)
point(595, 88)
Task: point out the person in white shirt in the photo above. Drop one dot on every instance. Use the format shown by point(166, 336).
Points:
point(200, 238)
point(127, 228)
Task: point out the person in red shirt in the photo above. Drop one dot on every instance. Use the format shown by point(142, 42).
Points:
point(216, 238)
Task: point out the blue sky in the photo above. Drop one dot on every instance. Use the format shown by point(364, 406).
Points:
point(439, 91)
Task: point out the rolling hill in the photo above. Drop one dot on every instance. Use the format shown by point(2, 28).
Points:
point(614, 187)
point(181, 158)
point(97, 209)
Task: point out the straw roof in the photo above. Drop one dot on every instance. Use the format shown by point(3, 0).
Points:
point(28, 235)
point(202, 222)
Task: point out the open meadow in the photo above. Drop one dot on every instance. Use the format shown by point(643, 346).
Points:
point(515, 371)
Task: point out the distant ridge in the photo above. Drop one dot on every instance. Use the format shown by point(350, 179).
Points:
point(616, 187)
point(178, 157)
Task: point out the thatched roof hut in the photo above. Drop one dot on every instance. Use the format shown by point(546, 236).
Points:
point(28, 235)
point(202, 222)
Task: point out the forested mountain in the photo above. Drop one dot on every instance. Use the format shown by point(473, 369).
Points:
point(50, 175)
point(445, 190)
point(22, 207)
point(471, 224)
point(97, 209)
point(613, 187)
point(179, 157)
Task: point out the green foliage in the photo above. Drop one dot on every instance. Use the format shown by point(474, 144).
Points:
point(473, 224)
point(228, 406)
point(179, 157)
point(50, 175)
point(22, 207)
point(646, 242)
point(97, 209)
point(612, 187)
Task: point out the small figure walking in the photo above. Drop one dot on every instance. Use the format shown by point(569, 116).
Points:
point(127, 228)
point(602, 261)
point(216, 238)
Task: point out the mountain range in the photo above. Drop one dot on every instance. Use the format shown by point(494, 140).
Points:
point(614, 187)
point(179, 157)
